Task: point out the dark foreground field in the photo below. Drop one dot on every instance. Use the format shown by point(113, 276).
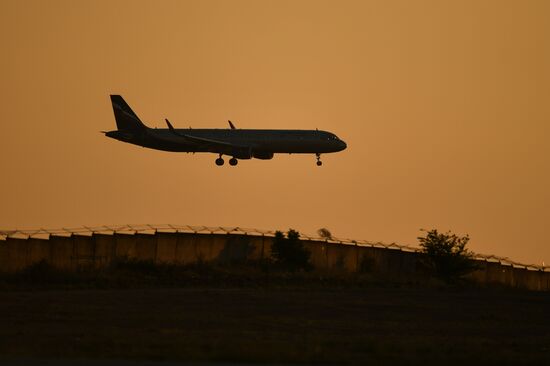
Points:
point(383, 325)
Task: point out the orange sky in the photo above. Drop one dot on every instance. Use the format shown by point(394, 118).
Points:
point(445, 106)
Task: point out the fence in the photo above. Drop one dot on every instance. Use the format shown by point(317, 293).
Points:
point(98, 246)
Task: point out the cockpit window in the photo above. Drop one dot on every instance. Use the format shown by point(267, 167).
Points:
point(329, 136)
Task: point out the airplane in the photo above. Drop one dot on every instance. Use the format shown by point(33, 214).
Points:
point(234, 142)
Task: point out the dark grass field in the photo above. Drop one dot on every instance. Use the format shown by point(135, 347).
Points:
point(377, 325)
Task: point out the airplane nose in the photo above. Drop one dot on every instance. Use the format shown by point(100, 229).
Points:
point(343, 145)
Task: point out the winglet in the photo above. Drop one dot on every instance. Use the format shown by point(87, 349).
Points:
point(169, 125)
point(231, 125)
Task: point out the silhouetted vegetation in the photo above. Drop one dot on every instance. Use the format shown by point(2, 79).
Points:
point(126, 273)
point(324, 233)
point(446, 255)
point(289, 253)
point(42, 272)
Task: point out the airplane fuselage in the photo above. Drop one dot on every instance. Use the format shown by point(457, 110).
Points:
point(267, 141)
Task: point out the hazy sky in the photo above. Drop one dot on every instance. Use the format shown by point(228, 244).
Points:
point(444, 105)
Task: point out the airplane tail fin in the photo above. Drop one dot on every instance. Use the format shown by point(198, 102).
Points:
point(125, 117)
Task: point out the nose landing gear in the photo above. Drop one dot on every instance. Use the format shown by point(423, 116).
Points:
point(319, 162)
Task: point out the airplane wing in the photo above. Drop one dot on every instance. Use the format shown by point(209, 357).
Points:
point(214, 145)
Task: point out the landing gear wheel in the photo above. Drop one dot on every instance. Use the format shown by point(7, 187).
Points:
point(319, 162)
point(219, 161)
point(233, 161)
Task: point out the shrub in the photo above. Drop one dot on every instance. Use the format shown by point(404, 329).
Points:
point(289, 253)
point(446, 255)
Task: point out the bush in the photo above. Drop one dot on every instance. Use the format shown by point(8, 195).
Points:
point(289, 253)
point(446, 255)
point(42, 272)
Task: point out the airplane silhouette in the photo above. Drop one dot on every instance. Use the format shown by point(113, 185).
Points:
point(234, 142)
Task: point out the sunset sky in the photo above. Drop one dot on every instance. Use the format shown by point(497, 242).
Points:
point(444, 105)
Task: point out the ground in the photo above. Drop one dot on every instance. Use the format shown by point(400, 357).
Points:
point(277, 325)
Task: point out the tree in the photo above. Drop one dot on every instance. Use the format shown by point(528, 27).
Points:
point(324, 233)
point(289, 253)
point(446, 255)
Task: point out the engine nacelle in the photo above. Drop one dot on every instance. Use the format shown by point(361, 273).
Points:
point(242, 155)
point(264, 155)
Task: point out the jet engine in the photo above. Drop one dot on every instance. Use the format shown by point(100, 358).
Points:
point(264, 155)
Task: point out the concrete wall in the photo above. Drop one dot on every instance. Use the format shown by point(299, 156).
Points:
point(99, 250)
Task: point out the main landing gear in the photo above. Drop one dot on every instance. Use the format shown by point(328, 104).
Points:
point(232, 161)
point(319, 162)
point(219, 161)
